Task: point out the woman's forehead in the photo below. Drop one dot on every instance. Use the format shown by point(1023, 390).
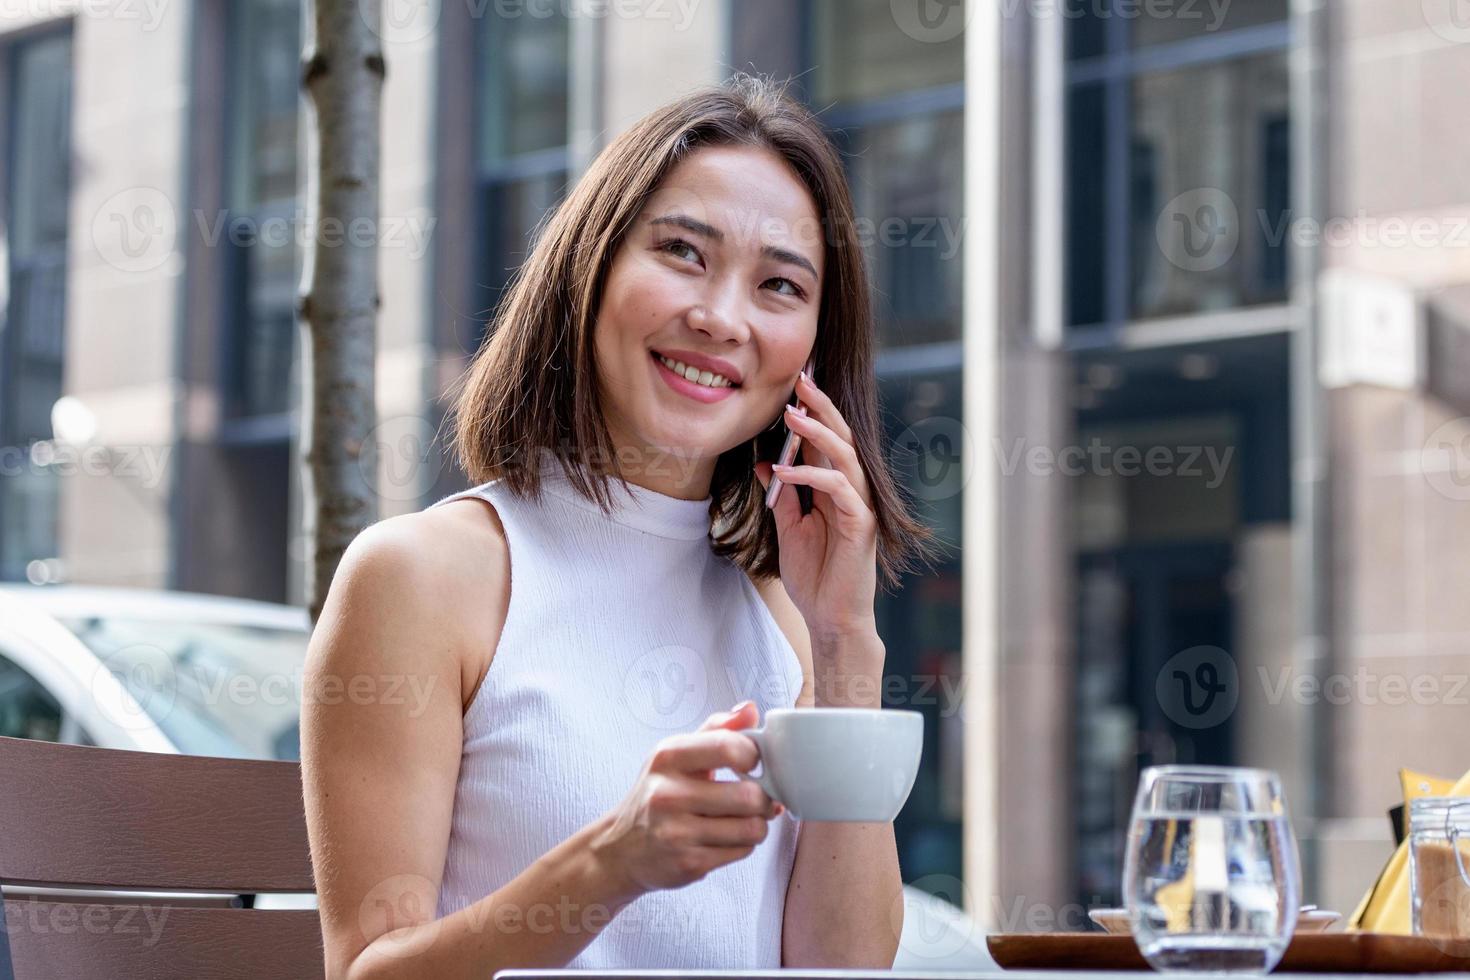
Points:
point(749, 194)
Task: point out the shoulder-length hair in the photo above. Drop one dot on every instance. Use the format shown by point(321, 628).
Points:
point(532, 386)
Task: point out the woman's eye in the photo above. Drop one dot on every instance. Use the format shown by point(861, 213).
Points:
point(796, 290)
point(673, 244)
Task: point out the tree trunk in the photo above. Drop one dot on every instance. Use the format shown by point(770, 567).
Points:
point(342, 73)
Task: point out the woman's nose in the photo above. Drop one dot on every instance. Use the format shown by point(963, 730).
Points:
point(720, 321)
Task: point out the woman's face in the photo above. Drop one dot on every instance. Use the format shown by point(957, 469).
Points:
point(721, 272)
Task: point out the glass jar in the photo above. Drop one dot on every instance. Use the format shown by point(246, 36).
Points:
point(1439, 866)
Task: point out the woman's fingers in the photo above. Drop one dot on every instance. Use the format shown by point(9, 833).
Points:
point(822, 407)
point(839, 454)
point(730, 798)
point(834, 484)
point(703, 751)
point(731, 831)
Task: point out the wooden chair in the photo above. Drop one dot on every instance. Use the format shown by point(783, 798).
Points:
point(76, 817)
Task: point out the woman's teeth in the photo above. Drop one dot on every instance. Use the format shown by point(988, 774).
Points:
point(706, 378)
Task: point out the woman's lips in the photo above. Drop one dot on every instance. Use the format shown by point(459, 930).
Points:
point(684, 386)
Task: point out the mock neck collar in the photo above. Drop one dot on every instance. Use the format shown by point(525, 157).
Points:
point(640, 508)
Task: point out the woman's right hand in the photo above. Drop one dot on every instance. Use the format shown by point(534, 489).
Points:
point(679, 823)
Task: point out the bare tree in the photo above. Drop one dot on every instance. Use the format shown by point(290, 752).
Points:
point(342, 73)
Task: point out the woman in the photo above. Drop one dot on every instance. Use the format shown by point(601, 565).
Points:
point(542, 791)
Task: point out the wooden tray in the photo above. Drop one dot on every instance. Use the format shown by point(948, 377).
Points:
point(1331, 952)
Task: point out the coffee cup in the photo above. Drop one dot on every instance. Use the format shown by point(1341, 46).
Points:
point(839, 764)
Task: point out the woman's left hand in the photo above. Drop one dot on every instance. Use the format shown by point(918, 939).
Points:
point(829, 557)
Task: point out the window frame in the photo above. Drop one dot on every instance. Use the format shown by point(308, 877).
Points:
point(1116, 69)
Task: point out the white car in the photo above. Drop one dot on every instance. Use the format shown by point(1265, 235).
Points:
point(152, 671)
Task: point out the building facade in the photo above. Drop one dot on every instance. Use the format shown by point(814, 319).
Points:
point(1172, 302)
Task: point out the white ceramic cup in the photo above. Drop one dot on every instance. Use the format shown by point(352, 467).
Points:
point(847, 764)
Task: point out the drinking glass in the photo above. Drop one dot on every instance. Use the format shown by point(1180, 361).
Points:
point(1211, 877)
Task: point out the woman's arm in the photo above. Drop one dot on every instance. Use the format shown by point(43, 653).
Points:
point(380, 773)
point(844, 903)
point(382, 729)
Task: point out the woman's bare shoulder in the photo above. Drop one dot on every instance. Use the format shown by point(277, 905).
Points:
point(443, 569)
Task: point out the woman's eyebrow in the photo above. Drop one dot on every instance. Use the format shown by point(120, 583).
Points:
point(714, 234)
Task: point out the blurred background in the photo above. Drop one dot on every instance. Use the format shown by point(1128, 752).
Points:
point(1174, 310)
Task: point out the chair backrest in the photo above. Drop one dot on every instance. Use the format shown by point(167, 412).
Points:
point(77, 817)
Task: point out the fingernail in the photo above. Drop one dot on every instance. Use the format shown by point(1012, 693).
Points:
point(780, 467)
point(740, 707)
point(805, 377)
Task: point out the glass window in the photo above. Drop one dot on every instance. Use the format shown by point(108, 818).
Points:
point(1177, 178)
point(263, 261)
point(921, 623)
point(523, 106)
point(1086, 245)
point(1092, 25)
point(32, 334)
point(215, 689)
point(1209, 196)
point(27, 710)
point(523, 80)
point(907, 185)
point(1186, 21)
point(862, 51)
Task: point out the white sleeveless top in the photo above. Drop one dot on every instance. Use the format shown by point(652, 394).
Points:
point(622, 629)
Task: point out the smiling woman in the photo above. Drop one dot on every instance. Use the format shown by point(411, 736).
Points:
point(557, 799)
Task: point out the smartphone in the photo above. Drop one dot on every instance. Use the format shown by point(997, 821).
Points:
point(788, 450)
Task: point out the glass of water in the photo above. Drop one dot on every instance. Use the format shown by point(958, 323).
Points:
point(1211, 877)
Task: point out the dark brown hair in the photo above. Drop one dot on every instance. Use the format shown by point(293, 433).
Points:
point(532, 385)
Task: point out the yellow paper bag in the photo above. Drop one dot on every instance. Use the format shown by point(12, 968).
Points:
point(1386, 907)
